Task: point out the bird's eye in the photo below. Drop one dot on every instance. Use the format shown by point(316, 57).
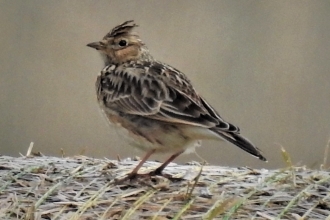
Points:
point(122, 43)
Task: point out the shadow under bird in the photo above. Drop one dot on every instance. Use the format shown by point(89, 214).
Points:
point(155, 102)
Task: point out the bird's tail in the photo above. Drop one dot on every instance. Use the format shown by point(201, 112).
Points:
point(242, 143)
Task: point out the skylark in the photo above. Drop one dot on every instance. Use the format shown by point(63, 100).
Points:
point(155, 102)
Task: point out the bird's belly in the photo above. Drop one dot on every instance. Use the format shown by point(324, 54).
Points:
point(147, 134)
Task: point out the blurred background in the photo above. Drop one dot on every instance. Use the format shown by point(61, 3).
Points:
point(264, 65)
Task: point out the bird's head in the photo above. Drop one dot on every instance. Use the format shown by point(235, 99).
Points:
point(121, 45)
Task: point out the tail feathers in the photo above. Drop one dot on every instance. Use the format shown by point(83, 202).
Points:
point(242, 143)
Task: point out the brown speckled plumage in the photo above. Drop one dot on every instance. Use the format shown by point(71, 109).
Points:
point(155, 102)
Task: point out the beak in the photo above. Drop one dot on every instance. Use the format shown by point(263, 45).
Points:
point(96, 45)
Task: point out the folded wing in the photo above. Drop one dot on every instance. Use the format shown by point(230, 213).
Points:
point(157, 91)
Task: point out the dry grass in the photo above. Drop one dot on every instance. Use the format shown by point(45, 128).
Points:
point(83, 188)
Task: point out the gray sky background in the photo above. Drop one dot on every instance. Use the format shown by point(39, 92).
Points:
point(264, 65)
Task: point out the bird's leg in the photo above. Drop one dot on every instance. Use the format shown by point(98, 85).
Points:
point(134, 172)
point(160, 169)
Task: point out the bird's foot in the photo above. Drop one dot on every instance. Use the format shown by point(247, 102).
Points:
point(142, 176)
point(156, 172)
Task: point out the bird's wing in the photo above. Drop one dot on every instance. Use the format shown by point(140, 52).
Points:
point(157, 91)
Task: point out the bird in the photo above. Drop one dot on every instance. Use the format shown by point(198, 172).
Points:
point(155, 102)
